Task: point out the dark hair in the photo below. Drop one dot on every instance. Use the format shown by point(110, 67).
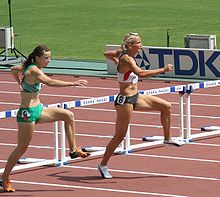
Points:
point(38, 51)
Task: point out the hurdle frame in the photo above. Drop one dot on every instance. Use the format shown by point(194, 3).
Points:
point(126, 146)
point(190, 89)
point(36, 162)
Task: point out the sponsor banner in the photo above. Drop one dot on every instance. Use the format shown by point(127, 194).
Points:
point(188, 63)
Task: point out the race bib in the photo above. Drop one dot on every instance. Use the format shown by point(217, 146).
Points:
point(25, 113)
point(120, 99)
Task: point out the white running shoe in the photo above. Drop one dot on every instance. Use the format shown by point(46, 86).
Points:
point(104, 171)
point(174, 142)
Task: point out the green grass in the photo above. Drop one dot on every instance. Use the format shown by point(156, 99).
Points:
point(81, 29)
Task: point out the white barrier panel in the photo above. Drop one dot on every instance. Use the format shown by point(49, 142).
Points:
point(202, 64)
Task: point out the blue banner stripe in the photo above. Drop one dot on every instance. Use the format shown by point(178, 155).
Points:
point(8, 114)
point(201, 85)
point(78, 103)
point(172, 89)
point(111, 98)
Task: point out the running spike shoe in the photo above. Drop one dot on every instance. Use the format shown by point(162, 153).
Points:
point(78, 153)
point(6, 185)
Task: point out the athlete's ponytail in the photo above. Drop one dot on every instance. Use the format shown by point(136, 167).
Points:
point(38, 51)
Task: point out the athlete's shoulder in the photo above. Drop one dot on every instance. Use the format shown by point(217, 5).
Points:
point(126, 59)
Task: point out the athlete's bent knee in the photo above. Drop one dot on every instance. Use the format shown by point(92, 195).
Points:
point(70, 116)
point(167, 107)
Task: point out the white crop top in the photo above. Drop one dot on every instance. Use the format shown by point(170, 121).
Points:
point(128, 76)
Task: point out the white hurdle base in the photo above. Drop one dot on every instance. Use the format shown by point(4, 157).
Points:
point(210, 128)
point(152, 138)
point(205, 134)
point(93, 154)
point(32, 165)
point(30, 160)
point(93, 149)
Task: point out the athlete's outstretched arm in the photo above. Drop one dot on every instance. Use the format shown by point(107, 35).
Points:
point(54, 82)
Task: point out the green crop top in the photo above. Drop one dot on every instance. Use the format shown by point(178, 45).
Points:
point(29, 88)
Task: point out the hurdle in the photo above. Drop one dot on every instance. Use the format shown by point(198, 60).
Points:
point(35, 162)
point(190, 89)
point(126, 145)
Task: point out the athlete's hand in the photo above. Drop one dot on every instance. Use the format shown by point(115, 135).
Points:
point(168, 68)
point(81, 82)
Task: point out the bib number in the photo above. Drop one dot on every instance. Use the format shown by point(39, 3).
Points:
point(120, 99)
point(25, 114)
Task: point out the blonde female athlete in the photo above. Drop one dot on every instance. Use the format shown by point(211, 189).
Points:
point(128, 98)
point(32, 111)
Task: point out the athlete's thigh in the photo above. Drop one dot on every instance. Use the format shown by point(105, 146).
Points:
point(51, 114)
point(25, 132)
point(123, 114)
point(148, 102)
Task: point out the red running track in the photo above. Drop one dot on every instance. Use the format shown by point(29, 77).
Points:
point(191, 170)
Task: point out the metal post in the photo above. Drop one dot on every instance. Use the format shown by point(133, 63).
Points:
point(63, 143)
point(188, 117)
point(128, 139)
point(181, 115)
point(56, 145)
point(168, 38)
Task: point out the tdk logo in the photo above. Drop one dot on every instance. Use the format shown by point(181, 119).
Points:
point(142, 60)
point(186, 62)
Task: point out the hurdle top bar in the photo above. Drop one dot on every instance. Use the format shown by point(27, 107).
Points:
point(8, 114)
point(201, 85)
point(166, 90)
point(13, 113)
point(99, 100)
point(91, 101)
point(106, 99)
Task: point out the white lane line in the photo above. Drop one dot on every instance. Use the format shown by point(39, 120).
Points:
point(51, 95)
point(116, 89)
point(141, 112)
point(130, 154)
point(132, 124)
point(150, 173)
point(7, 103)
point(8, 82)
point(31, 146)
point(96, 188)
point(205, 144)
point(172, 157)
point(198, 104)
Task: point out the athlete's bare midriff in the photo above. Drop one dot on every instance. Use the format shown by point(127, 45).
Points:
point(29, 99)
point(128, 89)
